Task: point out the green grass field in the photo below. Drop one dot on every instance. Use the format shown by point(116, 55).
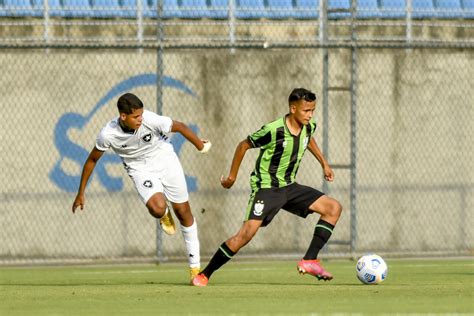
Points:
point(415, 286)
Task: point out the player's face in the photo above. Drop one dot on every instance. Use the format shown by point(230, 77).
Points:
point(133, 120)
point(303, 111)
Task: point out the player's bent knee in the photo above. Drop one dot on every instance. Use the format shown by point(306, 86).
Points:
point(156, 210)
point(335, 209)
point(331, 208)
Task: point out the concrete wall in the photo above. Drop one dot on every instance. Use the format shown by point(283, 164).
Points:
point(414, 148)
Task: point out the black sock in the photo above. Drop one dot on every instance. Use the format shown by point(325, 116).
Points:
point(222, 255)
point(321, 235)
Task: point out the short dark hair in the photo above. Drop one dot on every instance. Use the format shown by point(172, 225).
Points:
point(129, 102)
point(301, 93)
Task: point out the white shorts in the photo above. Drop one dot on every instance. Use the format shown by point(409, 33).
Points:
point(163, 174)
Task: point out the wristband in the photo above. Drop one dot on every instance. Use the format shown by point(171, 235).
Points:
point(205, 149)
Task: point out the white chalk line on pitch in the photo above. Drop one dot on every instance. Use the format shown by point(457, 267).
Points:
point(437, 265)
point(165, 271)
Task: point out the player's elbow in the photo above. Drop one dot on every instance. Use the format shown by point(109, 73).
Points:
point(245, 145)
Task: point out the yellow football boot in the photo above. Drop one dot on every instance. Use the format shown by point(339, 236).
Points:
point(193, 272)
point(167, 223)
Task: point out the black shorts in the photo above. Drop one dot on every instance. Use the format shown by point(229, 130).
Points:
point(295, 198)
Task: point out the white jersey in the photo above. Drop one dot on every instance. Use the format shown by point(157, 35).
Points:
point(148, 141)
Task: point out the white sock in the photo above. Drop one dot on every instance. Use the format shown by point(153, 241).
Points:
point(191, 242)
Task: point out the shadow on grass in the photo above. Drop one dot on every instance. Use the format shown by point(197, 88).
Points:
point(290, 284)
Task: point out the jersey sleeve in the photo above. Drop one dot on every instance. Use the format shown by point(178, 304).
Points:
point(312, 125)
point(101, 142)
point(158, 122)
point(261, 137)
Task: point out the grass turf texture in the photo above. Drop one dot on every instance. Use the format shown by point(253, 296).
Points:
point(423, 286)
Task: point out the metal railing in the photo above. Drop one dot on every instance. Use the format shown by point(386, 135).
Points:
point(233, 24)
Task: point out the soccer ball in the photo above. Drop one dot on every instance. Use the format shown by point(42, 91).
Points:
point(371, 269)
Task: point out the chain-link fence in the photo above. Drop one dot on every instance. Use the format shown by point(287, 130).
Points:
point(400, 138)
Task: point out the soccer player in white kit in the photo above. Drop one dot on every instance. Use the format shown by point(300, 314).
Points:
point(140, 138)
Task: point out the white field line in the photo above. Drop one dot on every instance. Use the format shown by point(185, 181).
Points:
point(163, 271)
point(470, 264)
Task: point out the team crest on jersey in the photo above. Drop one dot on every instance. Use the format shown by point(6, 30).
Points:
point(284, 144)
point(147, 138)
point(148, 184)
point(258, 208)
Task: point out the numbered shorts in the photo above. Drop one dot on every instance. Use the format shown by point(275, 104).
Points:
point(164, 175)
point(264, 204)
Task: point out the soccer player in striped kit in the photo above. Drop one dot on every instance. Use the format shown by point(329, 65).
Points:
point(282, 144)
point(140, 138)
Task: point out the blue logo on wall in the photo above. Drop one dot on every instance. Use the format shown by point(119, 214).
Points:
point(70, 150)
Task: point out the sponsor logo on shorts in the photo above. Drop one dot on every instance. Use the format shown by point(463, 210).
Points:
point(258, 208)
point(147, 184)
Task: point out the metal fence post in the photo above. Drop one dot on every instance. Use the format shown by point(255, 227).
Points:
point(323, 39)
point(159, 110)
point(409, 20)
point(139, 22)
point(232, 24)
point(46, 21)
point(353, 169)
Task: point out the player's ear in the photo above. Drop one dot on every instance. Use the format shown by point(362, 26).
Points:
point(292, 108)
point(123, 116)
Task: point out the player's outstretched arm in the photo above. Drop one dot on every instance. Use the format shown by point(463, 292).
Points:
point(202, 145)
point(87, 170)
point(239, 154)
point(314, 149)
